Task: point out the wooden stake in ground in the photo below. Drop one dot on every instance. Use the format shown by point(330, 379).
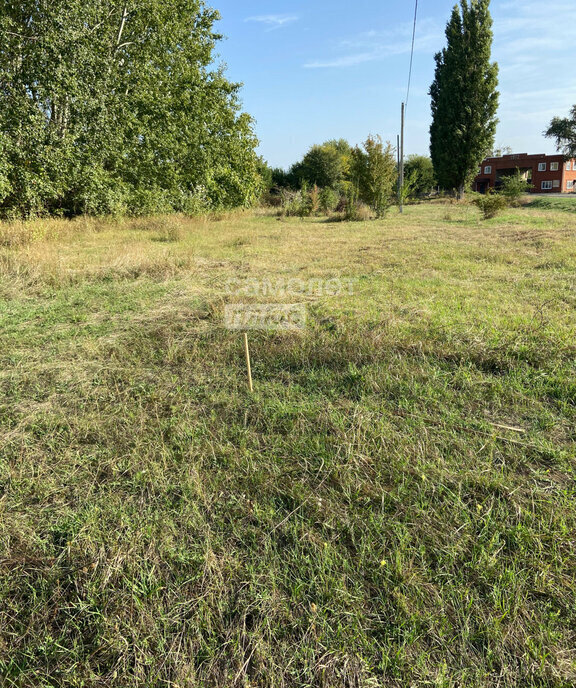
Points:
point(248, 366)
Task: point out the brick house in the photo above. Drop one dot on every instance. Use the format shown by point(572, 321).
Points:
point(543, 173)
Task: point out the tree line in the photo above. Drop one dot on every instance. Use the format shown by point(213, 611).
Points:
point(343, 175)
point(110, 106)
point(115, 107)
point(335, 163)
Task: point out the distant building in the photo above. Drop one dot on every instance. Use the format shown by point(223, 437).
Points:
point(543, 173)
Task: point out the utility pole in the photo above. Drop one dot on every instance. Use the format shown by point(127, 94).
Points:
point(398, 189)
point(401, 165)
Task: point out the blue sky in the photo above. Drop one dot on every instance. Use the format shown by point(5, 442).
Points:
point(319, 69)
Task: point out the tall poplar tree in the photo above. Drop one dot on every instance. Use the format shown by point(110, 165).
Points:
point(464, 96)
point(117, 106)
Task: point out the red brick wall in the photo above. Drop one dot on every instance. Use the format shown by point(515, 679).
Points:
point(548, 175)
point(523, 161)
point(569, 175)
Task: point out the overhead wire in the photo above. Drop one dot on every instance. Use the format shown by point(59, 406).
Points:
point(412, 52)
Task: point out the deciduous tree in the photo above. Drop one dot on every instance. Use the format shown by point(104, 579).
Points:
point(420, 170)
point(374, 173)
point(322, 165)
point(117, 106)
point(563, 129)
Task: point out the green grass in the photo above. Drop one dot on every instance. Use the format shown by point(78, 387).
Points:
point(372, 516)
point(567, 204)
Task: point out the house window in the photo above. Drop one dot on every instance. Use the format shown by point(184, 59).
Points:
point(570, 185)
point(553, 167)
point(556, 183)
point(568, 166)
point(546, 186)
point(541, 167)
point(488, 169)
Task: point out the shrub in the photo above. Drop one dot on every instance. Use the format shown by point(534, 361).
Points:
point(192, 202)
point(513, 188)
point(408, 189)
point(272, 199)
point(374, 173)
point(314, 200)
point(363, 212)
point(356, 210)
point(322, 165)
point(295, 203)
point(304, 208)
point(491, 204)
point(420, 171)
point(328, 200)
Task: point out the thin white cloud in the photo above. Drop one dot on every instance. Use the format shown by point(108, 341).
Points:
point(345, 61)
point(274, 21)
point(372, 46)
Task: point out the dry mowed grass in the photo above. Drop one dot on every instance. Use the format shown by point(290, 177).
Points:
point(394, 506)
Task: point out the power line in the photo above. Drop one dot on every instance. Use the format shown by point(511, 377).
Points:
point(404, 107)
point(412, 52)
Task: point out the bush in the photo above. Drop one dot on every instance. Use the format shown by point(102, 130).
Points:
point(322, 165)
point(295, 203)
point(420, 171)
point(513, 188)
point(304, 208)
point(490, 204)
point(374, 173)
point(314, 200)
point(328, 200)
point(363, 213)
point(272, 199)
point(356, 210)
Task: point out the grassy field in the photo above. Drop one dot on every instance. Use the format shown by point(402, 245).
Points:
point(567, 204)
point(394, 506)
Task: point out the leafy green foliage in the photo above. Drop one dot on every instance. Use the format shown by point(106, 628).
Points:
point(280, 178)
point(295, 203)
point(322, 165)
point(408, 189)
point(464, 96)
point(327, 165)
point(420, 171)
point(352, 209)
point(328, 200)
point(374, 173)
point(330, 173)
point(266, 174)
point(564, 131)
point(344, 150)
point(490, 204)
point(111, 107)
point(513, 187)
